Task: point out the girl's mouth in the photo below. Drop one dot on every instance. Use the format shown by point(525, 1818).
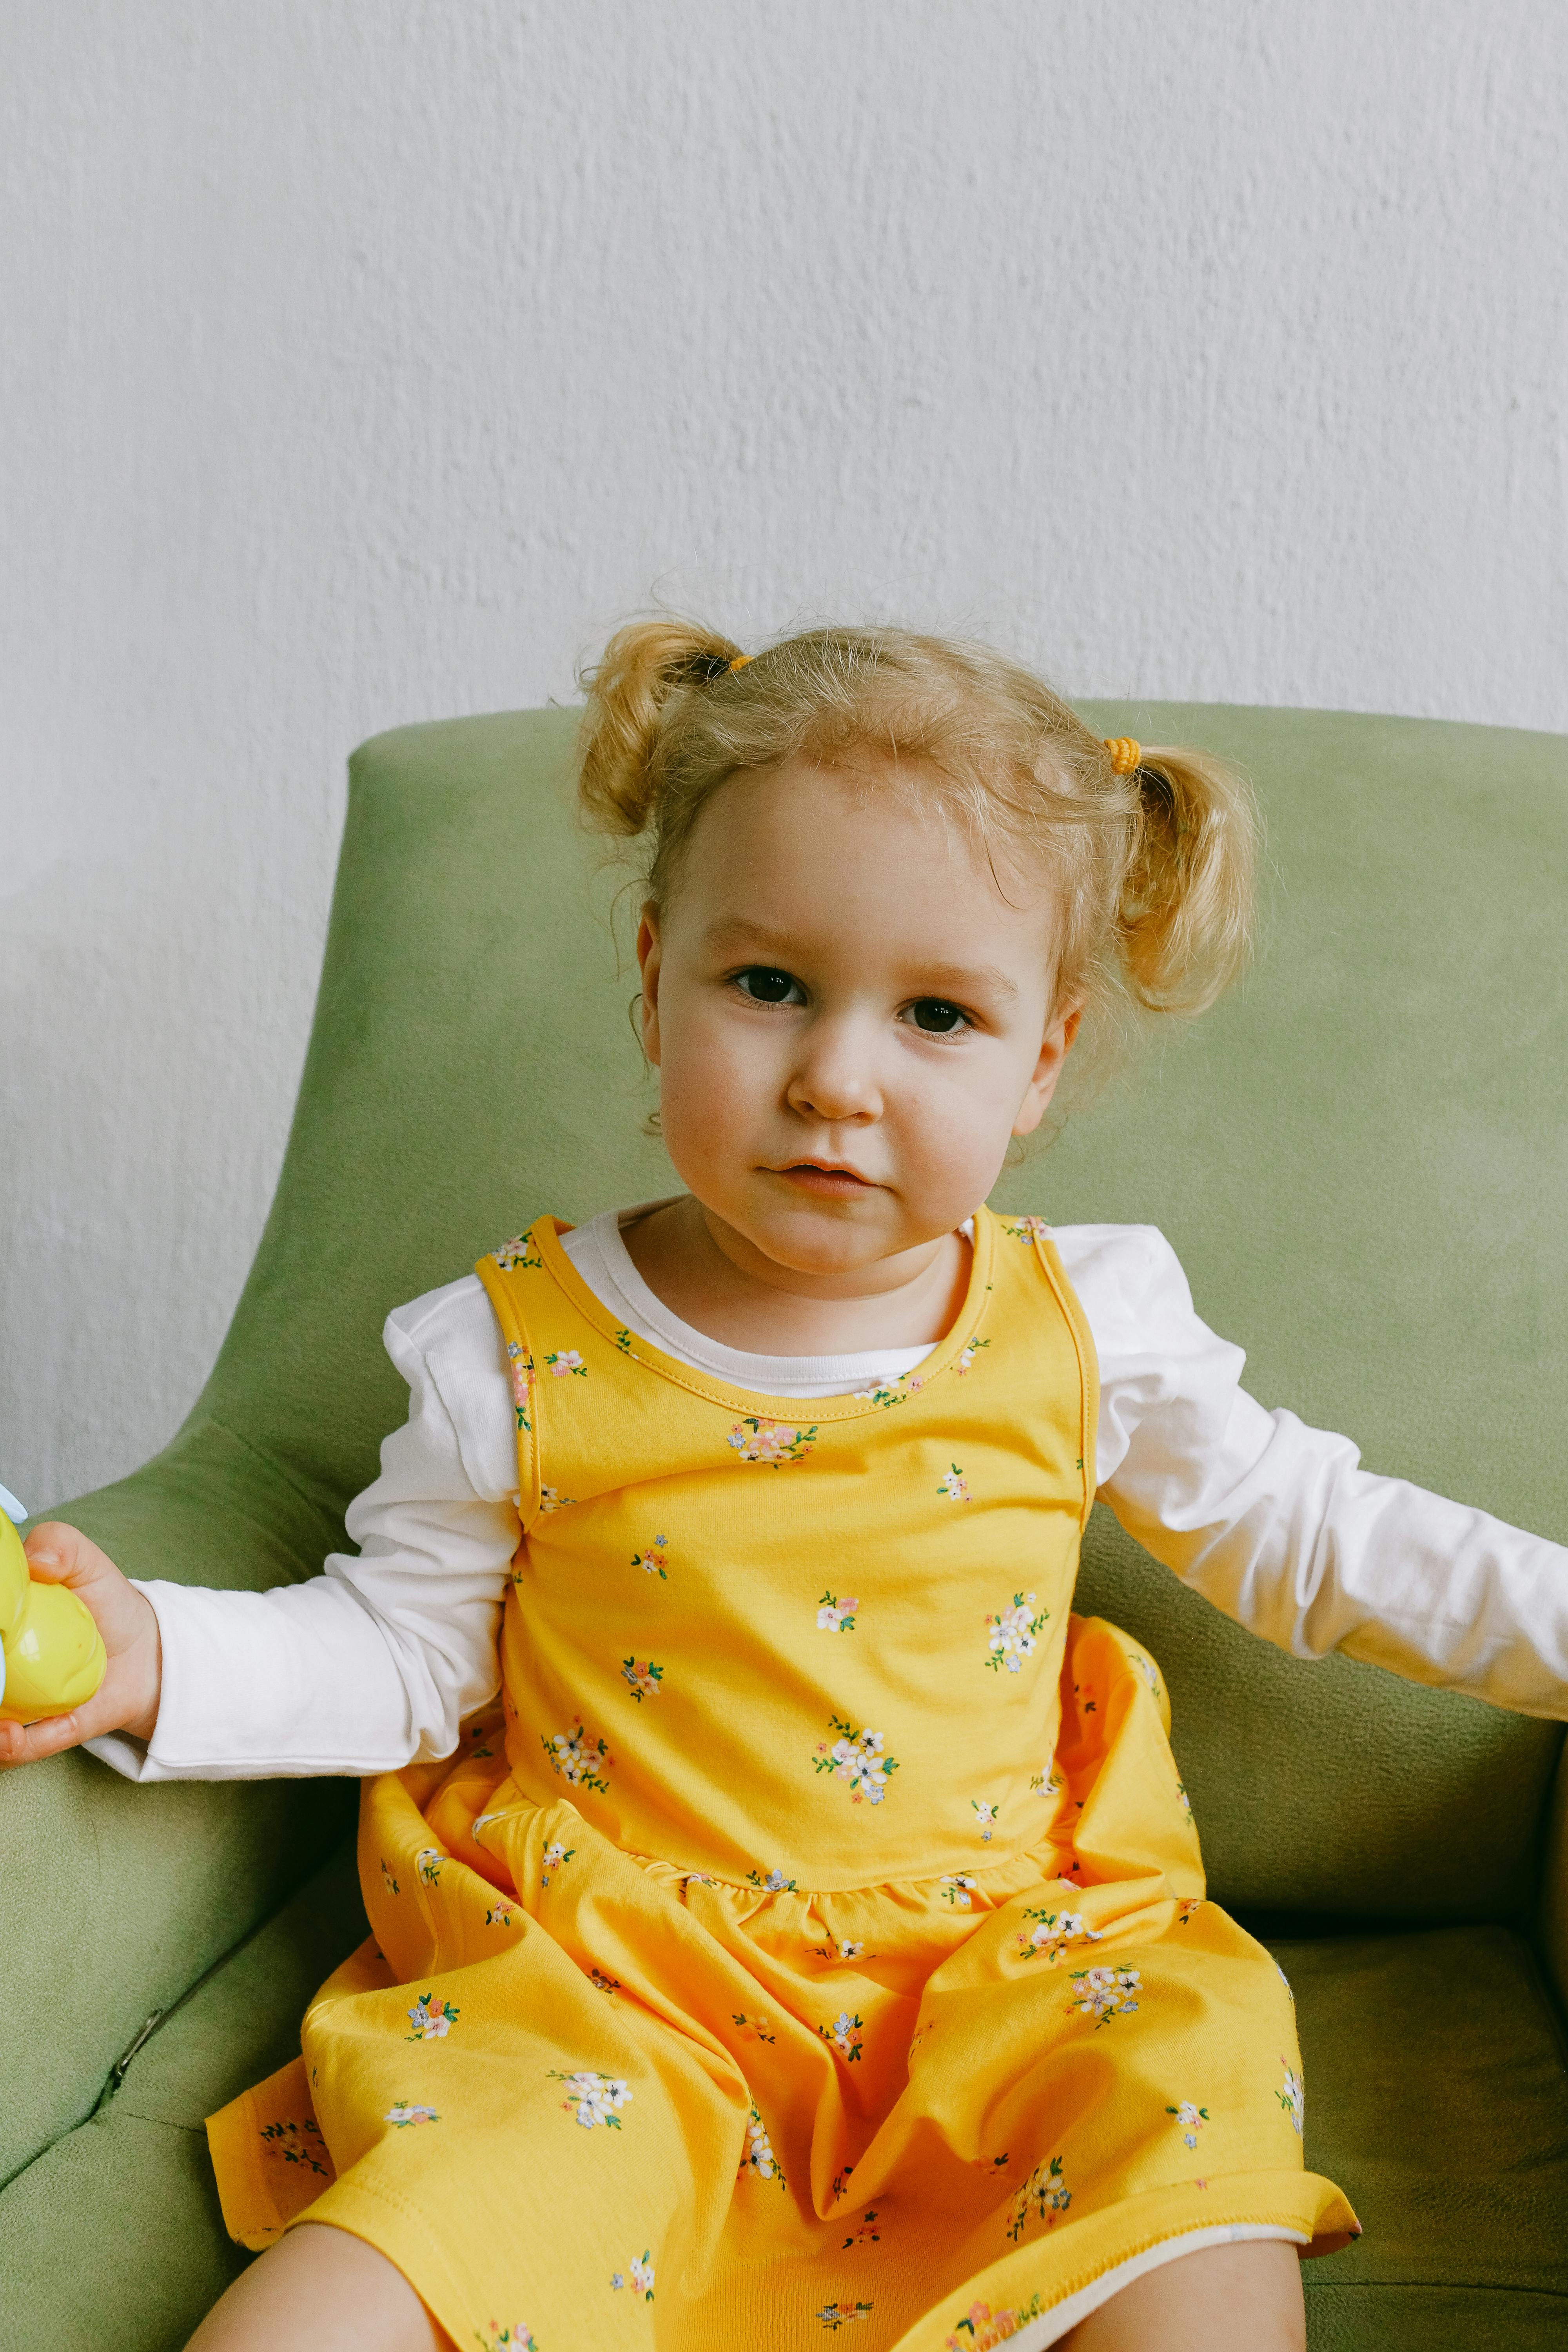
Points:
point(834, 1183)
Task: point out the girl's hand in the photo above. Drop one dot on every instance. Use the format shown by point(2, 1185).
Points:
point(127, 1698)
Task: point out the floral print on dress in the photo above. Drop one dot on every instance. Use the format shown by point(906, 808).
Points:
point(1190, 2121)
point(986, 1817)
point(1044, 2195)
point(578, 1759)
point(387, 1879)
point(844, 2033)
point(754, 2028)
point(968, 1352)
point(639, 2273)
point(602, 1983)
point(404, 2112)
point(427, 1862)
point(835, 1616)
point(296, 2143)
point(593, 2099)
point(1052, 1933)
point(772, 1441)
point(868, 2234)
point(773, 1882)
point(954, 1486)
point(1184, 1801)
point(1047, 1784)
point(839, 2314)
point(982, 2329)
point(515, 2338)
point(522, 1365)
point(757, 2156)
point(1292, 2098)
point(957, 1888)
point(1105, 1993)
point(549, 1500)
point(1187, 1910)
point(654, 1561)
point(501, 1915)
point(1147, 1669)
point(1027, 1229)
point(855, 1758)
point(623, 1342)
point(641, 1677)
point(555, 1858)
point(844, 1948)
point(518, 1254)
point(1014, 1633)
point(567, 1363)
point(432, 2021)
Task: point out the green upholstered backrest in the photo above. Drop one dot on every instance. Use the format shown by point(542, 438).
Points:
point(1359, 1158)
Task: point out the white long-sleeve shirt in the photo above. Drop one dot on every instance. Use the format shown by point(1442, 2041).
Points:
point(373, 1664)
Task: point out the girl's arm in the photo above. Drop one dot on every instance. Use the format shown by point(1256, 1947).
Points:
point(1277, 1524)
point(375, 1664)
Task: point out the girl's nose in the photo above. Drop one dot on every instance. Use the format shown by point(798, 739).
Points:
point(835, 1081)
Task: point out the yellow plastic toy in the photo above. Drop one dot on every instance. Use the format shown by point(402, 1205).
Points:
point(51, 1653)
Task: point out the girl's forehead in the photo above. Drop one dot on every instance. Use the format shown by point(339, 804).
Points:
point(830, 860)
point(806, 823)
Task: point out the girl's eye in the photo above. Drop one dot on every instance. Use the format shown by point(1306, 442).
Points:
point(936, 1016)
point(764, 985)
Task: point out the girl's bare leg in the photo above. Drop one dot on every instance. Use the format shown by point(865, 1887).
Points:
point(320, 2290)
point(1241, 2298)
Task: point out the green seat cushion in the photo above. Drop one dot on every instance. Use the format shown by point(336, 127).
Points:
point(1438, 2099)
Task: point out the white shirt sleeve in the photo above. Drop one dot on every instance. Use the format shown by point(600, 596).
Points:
point(1277, 1523)
point(375, 1664)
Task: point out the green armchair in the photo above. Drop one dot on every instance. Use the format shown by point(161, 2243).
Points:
point(1361, 1162)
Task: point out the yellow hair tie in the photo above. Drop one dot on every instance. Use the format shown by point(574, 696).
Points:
point(741, 660)
point(1125, 754)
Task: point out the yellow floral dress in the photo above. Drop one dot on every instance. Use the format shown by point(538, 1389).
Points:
point(815, 1936)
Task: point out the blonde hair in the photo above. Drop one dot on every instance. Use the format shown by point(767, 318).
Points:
point(1153, 869)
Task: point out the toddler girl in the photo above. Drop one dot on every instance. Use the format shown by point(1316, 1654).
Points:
point(814, 1937)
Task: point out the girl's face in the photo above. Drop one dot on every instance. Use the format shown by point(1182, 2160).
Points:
point(848, 1016)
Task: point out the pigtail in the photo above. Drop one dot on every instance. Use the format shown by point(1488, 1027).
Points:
point(1185, 920)
point(628, 691)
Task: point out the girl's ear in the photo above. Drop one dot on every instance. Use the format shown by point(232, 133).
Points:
point(649, 955)
point(1042, 1085)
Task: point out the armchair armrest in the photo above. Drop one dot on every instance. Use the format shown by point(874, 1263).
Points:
point(118, 1898)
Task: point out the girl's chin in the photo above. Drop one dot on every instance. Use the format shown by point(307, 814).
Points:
point(821, 1243)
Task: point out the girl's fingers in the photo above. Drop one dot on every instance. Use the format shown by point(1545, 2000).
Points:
point(27, 1743)
point(62, 1555)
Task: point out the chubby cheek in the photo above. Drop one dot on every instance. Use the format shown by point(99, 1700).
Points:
point(713, 1103)
point(953, 1149)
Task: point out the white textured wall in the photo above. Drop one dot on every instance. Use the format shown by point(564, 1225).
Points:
point(364, 361)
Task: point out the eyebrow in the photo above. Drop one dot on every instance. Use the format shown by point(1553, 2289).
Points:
point(939, 979)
